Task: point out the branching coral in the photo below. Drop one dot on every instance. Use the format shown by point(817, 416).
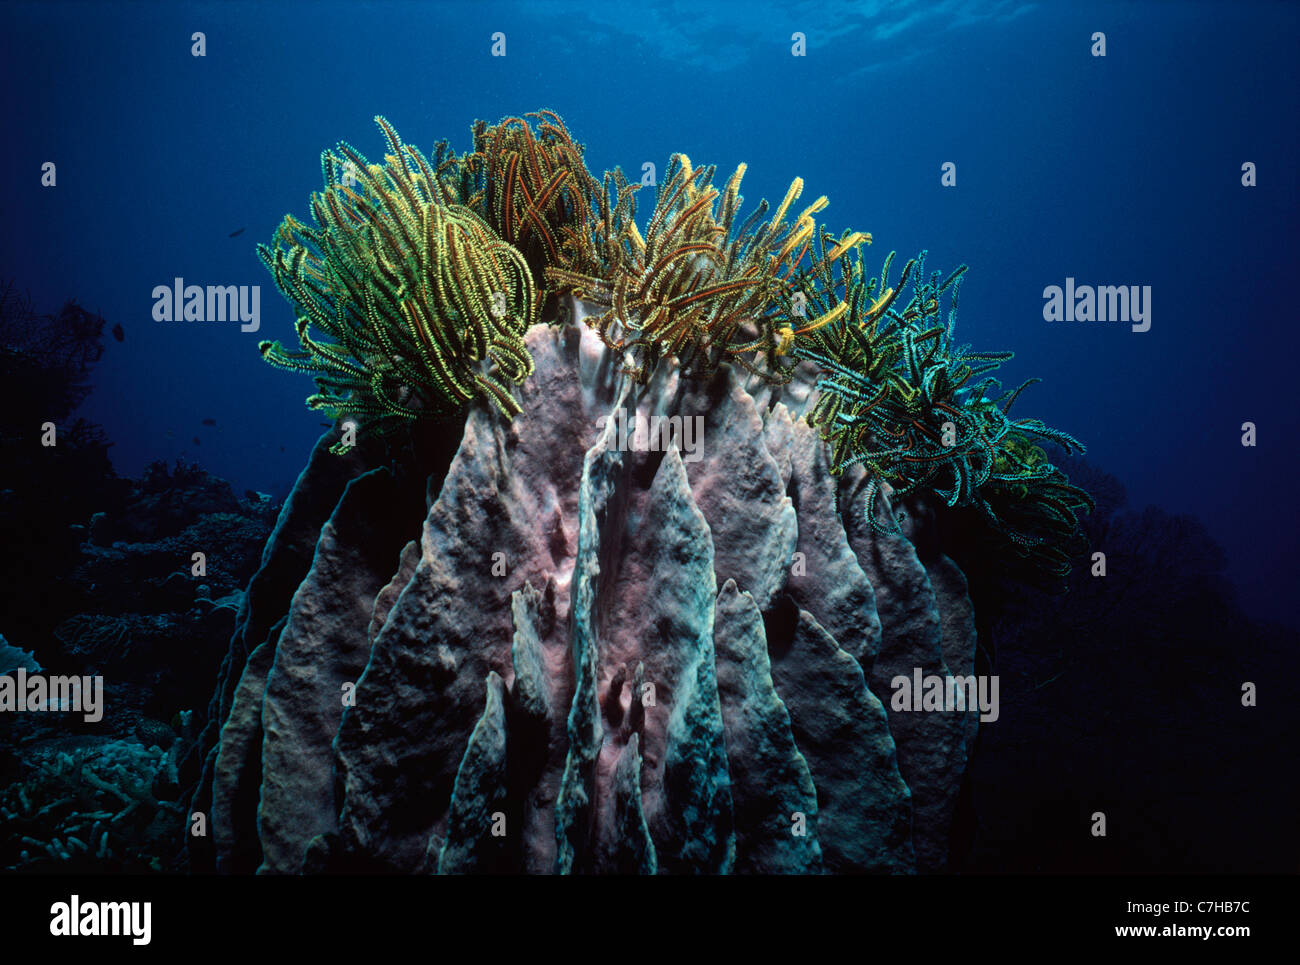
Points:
point(426, 305)
point(93, 808)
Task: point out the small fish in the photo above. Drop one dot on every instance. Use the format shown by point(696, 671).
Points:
point(196, 441)
point(282, 448)
point(328, 425)
point(209, 422)
point(235, 234)
point(118, 333)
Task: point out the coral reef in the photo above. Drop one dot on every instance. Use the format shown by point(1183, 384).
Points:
point(661, 651)
point(48, 493)
point(12, 658)
point(106, 796)
point(98, 569)
point(63, 347)
point(91, 805)
point(654, 681)
point(132, 609)
point(416, 276)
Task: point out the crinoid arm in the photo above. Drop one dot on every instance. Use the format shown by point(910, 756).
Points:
point(416, 284)
point(897, 395)
point(420, 306)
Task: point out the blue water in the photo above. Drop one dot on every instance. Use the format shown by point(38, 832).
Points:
point(1122, 170)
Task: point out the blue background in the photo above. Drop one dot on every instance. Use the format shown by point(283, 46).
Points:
point(1117, 170)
